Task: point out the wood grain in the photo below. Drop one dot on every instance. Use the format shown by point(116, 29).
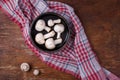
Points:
point(101, 20)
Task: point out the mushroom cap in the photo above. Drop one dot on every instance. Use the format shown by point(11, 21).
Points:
point(59, 28)
point(50, 22)
point(39, 38)
point(25, 67)
point(40, 25)
point(49, 44)
point(36, 72)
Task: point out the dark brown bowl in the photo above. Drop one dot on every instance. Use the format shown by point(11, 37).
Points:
point(46, 16)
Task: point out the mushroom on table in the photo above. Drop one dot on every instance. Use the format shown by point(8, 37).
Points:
point(36, 72)
point(25, 67)
point(58, 41)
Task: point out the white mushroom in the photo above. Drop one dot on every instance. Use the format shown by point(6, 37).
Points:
point(25, 67)
point(39, 38)
point(49, 44)
point(58, 41)
point(59, 28)
point(47, 29)
point(52, 22)
point(40, 25)
point(36, 72)
point(48, 35)
point(57, 21)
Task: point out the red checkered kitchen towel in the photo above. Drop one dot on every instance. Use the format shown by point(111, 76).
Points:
point(77, 57)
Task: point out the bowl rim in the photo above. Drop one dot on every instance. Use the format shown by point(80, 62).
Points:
point(68, 35)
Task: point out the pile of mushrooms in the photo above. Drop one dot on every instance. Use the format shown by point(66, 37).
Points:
point(48, 38)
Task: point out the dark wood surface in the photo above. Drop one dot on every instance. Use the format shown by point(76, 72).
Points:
point(101, 20)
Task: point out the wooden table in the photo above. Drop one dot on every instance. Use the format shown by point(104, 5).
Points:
point(101, 20)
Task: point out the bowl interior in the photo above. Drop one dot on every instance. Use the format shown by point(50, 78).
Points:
point(46, 17)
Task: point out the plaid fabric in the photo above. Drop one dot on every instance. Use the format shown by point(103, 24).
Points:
point(77, 57)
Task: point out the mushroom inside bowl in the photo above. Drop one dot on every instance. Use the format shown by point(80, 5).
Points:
point(61, 36)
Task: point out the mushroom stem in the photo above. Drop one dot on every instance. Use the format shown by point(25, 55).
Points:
point(58, 41)
point(47, 29)
point(58, 35)
point(57, 21)
point(48, 35)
